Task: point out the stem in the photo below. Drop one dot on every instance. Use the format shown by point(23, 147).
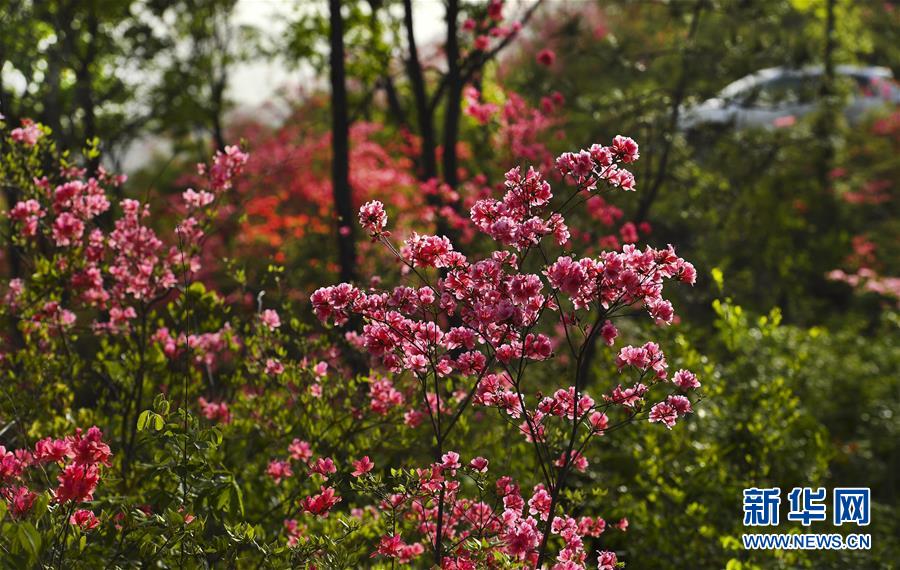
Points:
point(581, 370)
point(137, 396)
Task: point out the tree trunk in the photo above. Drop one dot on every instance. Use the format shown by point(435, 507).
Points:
point(393, 99)
point(827, 119)
point(85, 87)
point(340, 147)
point(669, 135)
point(454, 97)
point(428, 167)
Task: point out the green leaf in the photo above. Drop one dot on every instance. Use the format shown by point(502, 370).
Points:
point(161, 404)
point(40, 505)
point(144, 420)
point(718, 278)
point(237, 497)
point(29, 538)
point(149, 419)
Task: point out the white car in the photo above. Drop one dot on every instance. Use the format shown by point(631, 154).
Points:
point(779, 96)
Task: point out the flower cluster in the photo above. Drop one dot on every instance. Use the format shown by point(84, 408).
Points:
point(505, 521)
point(601, 163)
point(120, 271)
point(487, 28)
point(28, 134)
point(300, 457)
point(78, 458)
point(521, 128)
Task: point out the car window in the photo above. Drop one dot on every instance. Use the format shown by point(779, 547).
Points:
point(789, 90)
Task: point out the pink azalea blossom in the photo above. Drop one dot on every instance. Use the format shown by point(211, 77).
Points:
point(362, 466)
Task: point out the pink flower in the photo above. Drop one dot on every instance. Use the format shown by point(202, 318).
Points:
point(546, 57)
point(90, 448)
point(479, 464)
point(599, 421)
point(11, 465)
point(686, 380)
point(681, 404)
point(226, 166)
point(578, 461)
point(539, 503)
point(664, 413)
point(292, 528)
point(215, 411)
point(279, 470)
point(84, 519)
point(324, 466)
point(274, 367)
point(28, 134)
point(300, 450)
point(389, 546)
point(450, 461)
point(20, 500)
point(51, 450)
point(495, 10)
point(628, 233)
point(362, 466)
point(609, 332)
point(384, 397)
point(478, 110)
point(373, 218)
point(320, 504)
point(77, 483)
point(392, 546)
point(270, 319)
point(28, 213)
point(482, 43)
point(67, 229)
point(669, 411)
point(428, 251)
point(626, 148)
point(606, 560)
point(196, 199)
point(645, 357)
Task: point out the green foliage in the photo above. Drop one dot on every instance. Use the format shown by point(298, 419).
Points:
point(782, 406)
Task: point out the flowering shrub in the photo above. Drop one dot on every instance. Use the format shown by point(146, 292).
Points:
point(468, 332)
point(288, 188)
point(261, 444)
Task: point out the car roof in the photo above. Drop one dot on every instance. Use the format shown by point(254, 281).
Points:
point(770, 73)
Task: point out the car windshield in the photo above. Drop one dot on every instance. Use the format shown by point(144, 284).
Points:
point(798, 88)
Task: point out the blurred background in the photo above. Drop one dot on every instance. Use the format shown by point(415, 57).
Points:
point(769, 135)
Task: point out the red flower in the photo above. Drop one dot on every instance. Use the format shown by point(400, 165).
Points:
point(320, 504)
point(546, 57)
point(362, 466)
point(77, 483)
point(84, 519)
